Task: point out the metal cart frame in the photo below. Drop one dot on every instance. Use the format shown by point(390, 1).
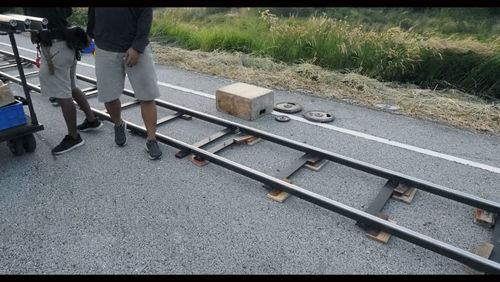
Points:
point(20, 139)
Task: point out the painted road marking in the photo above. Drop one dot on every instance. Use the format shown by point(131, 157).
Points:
point(332, 127)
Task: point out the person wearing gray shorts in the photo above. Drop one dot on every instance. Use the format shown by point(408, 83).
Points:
point(58, 75)
point(122, 48)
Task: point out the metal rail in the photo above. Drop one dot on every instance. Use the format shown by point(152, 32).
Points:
point(324, 154)
point(445, 249)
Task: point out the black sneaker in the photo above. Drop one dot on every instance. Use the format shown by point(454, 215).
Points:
point(153, 149)
point(120, 134)
point(87, 125)
point(68, 143)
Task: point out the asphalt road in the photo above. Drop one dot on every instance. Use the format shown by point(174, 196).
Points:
point(107, 209)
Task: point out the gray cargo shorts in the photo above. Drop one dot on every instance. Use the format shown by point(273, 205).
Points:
point(110, 70)
point(59, 84)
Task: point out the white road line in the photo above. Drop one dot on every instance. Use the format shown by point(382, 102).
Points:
point(20, 48)
point(86, 65)
point(397, 144)
point(180, 88)
point(331, 127)
point(33, 51)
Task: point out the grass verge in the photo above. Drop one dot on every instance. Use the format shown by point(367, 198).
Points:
point(448, 106)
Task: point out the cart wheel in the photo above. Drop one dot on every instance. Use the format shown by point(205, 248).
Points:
point(29, 143)
point(16, 146)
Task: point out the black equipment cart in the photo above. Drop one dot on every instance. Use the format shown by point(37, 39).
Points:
point(20, 138)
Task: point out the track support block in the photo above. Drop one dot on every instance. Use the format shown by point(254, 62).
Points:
point(248, 139)
point(379, 235)
point(404, 193)
point(198, 161)
point(278, 195)
point(186, 117)
point(484, 218)
point(484, 249)
point(315, 163)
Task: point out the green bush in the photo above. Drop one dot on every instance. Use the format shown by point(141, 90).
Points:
point(388, 48)
point(484, 77)
point(78, 17)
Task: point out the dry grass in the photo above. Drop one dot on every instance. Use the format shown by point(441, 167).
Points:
point(464, 45)
point(446, 106)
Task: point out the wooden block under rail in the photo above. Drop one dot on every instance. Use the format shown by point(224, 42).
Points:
point(404, 193)
point(484, 218)
point(315, 163)
point(247, 139)
point(198, 162)
point(278, 195)
point(379, 235)
point(484, 250)
point(407, 197)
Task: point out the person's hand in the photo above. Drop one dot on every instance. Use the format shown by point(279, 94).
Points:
point(131, 57)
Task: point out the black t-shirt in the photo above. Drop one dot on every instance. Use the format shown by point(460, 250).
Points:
point(119, 28)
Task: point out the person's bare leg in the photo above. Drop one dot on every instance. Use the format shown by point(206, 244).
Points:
point(82, 102)
point(114, 110)
point(149, 115)
point(69, 114)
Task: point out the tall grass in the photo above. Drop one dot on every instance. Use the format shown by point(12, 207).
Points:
point(480, 23)
point(392, 54)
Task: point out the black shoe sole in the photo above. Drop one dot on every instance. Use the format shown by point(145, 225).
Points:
point(69, 149)
point(90, 128)
point(151, 157)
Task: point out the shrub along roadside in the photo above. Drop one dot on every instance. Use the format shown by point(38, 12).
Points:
point(389, 55)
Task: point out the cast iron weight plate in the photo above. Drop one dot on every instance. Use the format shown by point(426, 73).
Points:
point(319, 116)
point(288, 107)
point(282, 118)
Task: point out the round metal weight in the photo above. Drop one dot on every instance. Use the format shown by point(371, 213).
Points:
point(282, 118)
point(319, 116)
point(288, 107)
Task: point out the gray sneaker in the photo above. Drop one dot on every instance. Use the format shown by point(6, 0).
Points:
point(153, 149)
point(120, 134)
